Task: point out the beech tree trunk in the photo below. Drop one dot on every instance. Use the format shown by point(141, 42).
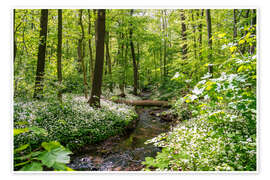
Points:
point(91, 62)
point(41, 54)
point(81, 54)
point(94, 100)
point(253, 24)
point(184, 35)
point(14, 38)
point(234, 24)
point(194, 35)
point(135, 69)
point(209, 32)
point(165, 44)
point(200, 34)
point(59, 54)
point(108, 60)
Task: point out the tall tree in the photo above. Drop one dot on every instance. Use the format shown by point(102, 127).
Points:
point(135, 69)
point(209, 33)
point(184, 35)
point(234, 24)
point(94, 100)
point(81, 53)
point(91, 61)
point(59, 54)
point(194, 34)
point(108, 59)
point(41, 54)
point(200, 32)
point(14, 38)
point(164, 25)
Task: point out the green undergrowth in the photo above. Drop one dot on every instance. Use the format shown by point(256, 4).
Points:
point(220, 134)
point(73, 123)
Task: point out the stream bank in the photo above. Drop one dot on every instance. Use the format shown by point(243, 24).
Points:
point(123, 153)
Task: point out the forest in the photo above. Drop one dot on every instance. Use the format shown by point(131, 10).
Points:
point(134, 90)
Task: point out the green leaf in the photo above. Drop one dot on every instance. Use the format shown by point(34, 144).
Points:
point(59, 166)
point(38, 131)
point(20, 131)
point(23, 163)
point(50, 145)
point(34, 166)
point(55, 153)
point(21, 148)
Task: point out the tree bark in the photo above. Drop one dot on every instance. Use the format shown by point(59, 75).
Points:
point(94, 100)
point(184, 35)
point(41, 54)
point(200, 34)
point(209, 32)
point(59, 54)
point(234, 24)
point(91, 63)
point(81, 54)
point(135, 70)
point(194, 35)
point(253, 24)
point(108, 60)
point(165, 44)
point(14, 37)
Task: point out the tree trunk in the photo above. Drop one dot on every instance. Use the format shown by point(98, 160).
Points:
point(108, 60)
point(194, 35)
point(14, 37)
point(59, 54)
point(81, 54)
point(135, 70)
point(234, 24)
point(91, 64)
point(41, 54)
point(94, 100)
point(121, 60)
point(209, 32)
point(253, 23)
point(184, 35)
point(200, 34)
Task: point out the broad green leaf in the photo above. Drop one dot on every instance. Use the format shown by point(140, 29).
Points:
point(59, 166)
point(22, 163)
point(38, 130)
point(21, 148)
point(34, 166)
point(20, 131)
point(50, 145)
point(55, 154)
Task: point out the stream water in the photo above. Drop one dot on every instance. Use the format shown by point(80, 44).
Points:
point(123, 153)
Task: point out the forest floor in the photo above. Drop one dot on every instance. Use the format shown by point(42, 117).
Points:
point(125, 153)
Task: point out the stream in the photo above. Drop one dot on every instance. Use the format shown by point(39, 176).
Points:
point(123, 153)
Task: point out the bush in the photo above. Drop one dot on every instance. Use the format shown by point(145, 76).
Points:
point(73, 123)
point(221, 134)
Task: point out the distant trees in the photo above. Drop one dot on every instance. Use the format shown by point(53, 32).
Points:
point(135, 68)
point(209, 33)
point(59, 54)
point(141, 47)
point(81, 53)
point(41, 54)
point(184, 35)
point(94, 100)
